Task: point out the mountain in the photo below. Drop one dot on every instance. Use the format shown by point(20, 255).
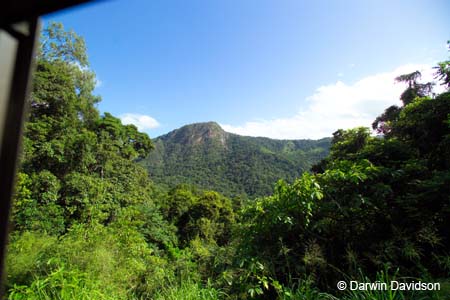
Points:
point(205, 155)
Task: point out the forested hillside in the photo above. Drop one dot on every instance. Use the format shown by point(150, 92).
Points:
point(205, 155)
point(89, 223)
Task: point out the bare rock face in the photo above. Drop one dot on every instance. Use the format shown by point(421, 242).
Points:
point(199, 133)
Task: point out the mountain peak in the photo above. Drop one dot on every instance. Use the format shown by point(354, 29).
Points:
point(203, 154)
point(211, 125)
point(198, 133)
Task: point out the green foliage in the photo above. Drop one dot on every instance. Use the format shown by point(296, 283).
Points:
point(59, 45)
point(124, 140)
point(443, 71)
point(203, 154)
point(115, 257)
point(374, 201)
point(414, 89)
point(348, 142)
point(190, 291)
point(88, 223)
point(60, 284)
point(77, 166)
point(304, 290)
point(82, 203)
point(210, 217)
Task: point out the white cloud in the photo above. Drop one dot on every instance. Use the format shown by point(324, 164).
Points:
point(142, 122)
point(337, 105)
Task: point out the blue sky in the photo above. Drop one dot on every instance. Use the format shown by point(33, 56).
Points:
point(283, 69)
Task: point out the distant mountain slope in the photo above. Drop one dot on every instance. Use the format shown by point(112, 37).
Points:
point(205, 155)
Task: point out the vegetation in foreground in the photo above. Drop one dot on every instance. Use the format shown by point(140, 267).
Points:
point(88, 223)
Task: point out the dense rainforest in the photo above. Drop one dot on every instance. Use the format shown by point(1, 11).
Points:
point(90, 223)
point(203, 154)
